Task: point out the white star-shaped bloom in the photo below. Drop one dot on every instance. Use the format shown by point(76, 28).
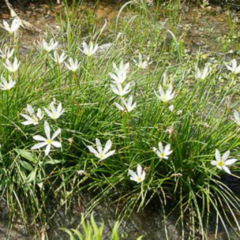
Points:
point(32, 118)
point(48, 141)
point(138, 176)
point(162, 152)
point(222, 162)
point(100, 152)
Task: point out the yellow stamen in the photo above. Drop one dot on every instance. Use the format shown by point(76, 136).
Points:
point(139, 179)
point(35, 119)
point(162, 154)
point(49, 141)
point(54, 116)
point(221, 163)
point(165, 99)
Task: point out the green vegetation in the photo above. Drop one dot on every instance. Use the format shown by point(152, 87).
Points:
point(176, 104)
point(92, 231)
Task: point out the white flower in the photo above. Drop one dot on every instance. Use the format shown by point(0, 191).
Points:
point(100, 152)
point(162, 152)
point(237, 117)
point(7, 85)
point(81, 172)
point(170, 130)
point(90, 49)
point(179, 112)
point(49, 141)
point(234, 68)
point(119, 77)
point(165, 97)
point(165, 78)
point(223, 162)
point(120, 74)
point(142, 64)
point(119, 90)
point(72, 66)
point(202, 74)
point(138, 176)
point(11, 66)
point(127, 106)
point(32, 118)
point(54, 112)
point(14, 26)
point(52, 45)
point(59, 59)
point(122, 67)
point(171, 108)
point(6, 53)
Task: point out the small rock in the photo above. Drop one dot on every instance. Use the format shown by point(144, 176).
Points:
point(38, 23)
point(82, 7)
point(39, 10)
point(58, 10)
point(5, 16)
point(50, 13)
point(32, 19)
point(173, 233)
point(100, 7)
point(45, 6)
point(108, 9)
point(34, 14)
point(112, 16)
point(103, 48)
point(101, 14)
point(28, 13)
point(32, 6)
point(219, 10)
point(59, 6)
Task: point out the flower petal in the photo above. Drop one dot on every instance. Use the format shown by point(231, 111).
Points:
point(47, 129)
point(160, 146)
point(139, 170)
point(230, 161)
point(47, 150)
point(48, 112)
point(226, 169)
point(109, 154)
point(107, 146)
point(132, 174)
point(56, 144)
point(39, 138)
point(56, 133)
point(92, 150)
point(225, 155)
point(214, 163)
point(39, 145)
point(98, 145)
point(217, 155)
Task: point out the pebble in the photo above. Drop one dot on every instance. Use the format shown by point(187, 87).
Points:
point(108, 9)
point(5, 16)
point(112, 16)
point(44, 6)
point(101, 14)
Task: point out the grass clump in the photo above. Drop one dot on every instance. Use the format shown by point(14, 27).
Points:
point(91, 231)
point(134, 120)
